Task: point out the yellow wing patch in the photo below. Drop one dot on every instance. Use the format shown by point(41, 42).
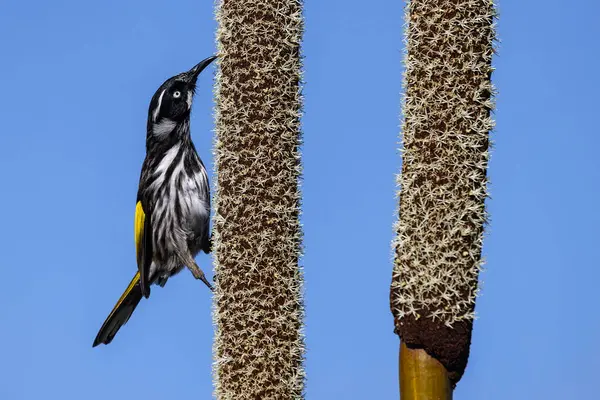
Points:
point(140, 218)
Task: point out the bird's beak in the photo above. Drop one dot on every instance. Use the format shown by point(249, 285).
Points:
point(194, 72)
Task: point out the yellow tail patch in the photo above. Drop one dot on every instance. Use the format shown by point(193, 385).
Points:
point(132, 284)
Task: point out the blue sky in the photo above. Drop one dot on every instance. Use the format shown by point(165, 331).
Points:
point(77, 78)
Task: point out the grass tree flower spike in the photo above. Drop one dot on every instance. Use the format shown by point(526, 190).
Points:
point(446, 123)
point(258, 309)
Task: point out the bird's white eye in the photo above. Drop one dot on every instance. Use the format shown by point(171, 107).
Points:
point(177, 94)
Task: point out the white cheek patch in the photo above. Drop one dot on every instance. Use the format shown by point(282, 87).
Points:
point(157, 110)
point(189, 99)
point(164, 127)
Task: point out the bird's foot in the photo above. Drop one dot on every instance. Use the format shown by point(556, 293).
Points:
point(198, 274)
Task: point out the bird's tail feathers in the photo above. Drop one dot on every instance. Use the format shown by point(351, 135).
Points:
point(121, 312)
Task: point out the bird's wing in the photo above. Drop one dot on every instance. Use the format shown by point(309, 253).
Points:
point(143, 246)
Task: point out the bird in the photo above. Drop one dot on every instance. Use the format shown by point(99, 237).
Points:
point(172, 212)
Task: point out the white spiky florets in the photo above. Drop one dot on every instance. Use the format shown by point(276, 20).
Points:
point(258, 307)
point(442, 187)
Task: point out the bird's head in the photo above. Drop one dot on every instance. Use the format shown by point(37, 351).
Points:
point(172, 101)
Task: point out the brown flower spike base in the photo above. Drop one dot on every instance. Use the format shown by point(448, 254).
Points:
point(422, 377)
point(449, 346)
